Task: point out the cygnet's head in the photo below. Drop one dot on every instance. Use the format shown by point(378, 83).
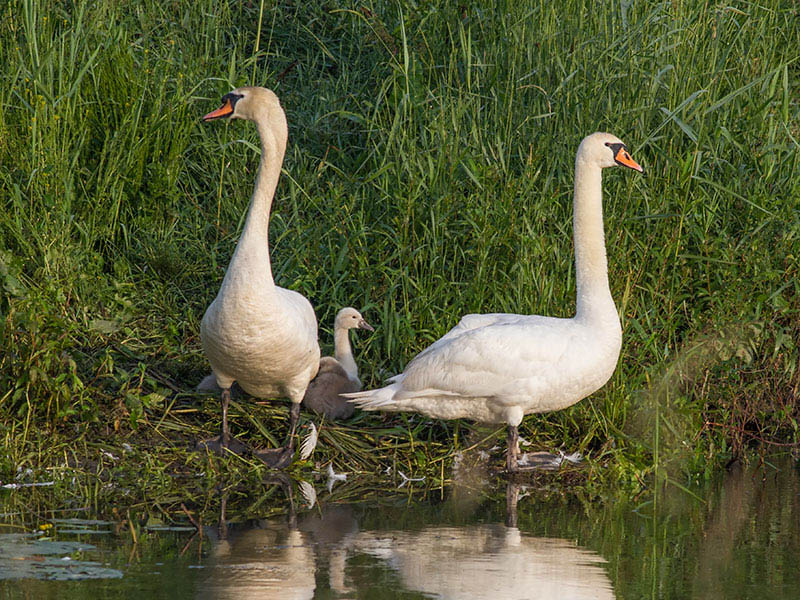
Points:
point(350, 318)
point(251, 103)
point(606, 150)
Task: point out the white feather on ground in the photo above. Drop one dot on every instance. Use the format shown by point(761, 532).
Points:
point(310, 442)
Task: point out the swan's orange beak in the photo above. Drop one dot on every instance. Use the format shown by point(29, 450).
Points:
point(623, 158)
point(226, 110)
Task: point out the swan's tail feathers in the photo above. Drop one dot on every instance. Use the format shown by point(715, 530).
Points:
point(209, 384)
point(380, 399)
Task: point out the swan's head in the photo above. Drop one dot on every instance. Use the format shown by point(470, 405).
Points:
point(350, 318)
point(251, 103)
point(606, 150)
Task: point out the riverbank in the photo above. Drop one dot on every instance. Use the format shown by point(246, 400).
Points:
point(428, 175)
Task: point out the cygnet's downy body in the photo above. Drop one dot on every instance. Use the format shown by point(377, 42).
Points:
point(337, 374)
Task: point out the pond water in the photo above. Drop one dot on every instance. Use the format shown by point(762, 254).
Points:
point(736, 537)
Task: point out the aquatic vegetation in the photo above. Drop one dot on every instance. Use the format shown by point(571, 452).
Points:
point(733, 536)
point(30, 556)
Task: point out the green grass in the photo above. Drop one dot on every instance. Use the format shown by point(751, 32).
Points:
point(428, 174)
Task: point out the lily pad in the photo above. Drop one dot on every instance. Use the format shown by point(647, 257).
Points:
point(26, 556)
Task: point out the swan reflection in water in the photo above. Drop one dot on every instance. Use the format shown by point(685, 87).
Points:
point(489, 561)
point(269, 560)
point(277, 558)
point(285, 559)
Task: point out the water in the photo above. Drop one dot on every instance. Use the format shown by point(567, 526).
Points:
point(735, 538)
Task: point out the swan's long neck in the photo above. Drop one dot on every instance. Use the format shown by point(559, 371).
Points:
point(591, 267)
point(252, 252)
point(343, 352)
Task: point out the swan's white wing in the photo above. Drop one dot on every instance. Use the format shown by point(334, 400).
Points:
point(475, 321)
point(509, 358)
point(470, 322)
point(299, 311)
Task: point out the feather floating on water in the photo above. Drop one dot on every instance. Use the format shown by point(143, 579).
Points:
point(407, 479)
point(333, 477)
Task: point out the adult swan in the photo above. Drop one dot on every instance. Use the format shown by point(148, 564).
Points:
point(255, 333)
point(496, 368)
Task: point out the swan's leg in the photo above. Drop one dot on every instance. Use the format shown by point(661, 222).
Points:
point(224, 442)
point(225, 399)
point(280, 458)
point(294, 418)
point(512, 453)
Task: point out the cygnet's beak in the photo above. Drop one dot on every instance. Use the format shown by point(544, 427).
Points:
point(362, 324)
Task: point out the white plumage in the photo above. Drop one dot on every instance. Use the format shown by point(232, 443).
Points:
point(255, 333)
point(496, 368)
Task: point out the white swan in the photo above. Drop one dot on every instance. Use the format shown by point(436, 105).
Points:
point(337, 374)
point(255, 333)
point(496, 368)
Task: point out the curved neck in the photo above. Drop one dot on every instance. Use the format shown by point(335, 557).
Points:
point(254, 242)
point(343, 353)
point(591, 267)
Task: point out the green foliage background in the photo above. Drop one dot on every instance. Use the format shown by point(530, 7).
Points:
point(428, 174)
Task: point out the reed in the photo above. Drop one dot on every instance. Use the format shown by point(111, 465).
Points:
point(428, 175)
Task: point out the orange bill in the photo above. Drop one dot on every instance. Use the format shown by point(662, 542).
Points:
point(623, 158)
point(223, 111)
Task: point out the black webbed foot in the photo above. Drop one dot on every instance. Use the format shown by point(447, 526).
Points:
point(275, 458)
point(216, 446)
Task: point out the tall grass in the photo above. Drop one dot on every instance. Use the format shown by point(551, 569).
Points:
point(428, 174)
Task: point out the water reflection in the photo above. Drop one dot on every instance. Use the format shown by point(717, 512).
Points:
point(268, 560)
point(277, 558)
point(723, 524)
point(325, 550)
point(488, 561)
point(736, 537)
point(760, 505)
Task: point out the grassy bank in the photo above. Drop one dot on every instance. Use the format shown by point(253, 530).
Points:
point(428, 174)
